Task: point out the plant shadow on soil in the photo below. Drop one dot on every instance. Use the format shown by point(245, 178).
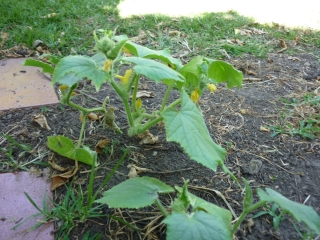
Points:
point(290, 165)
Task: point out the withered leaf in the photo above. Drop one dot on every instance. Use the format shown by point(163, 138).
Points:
point(92, 116)
point(56, 166)
point(135, 170)
point(58, 180)
point(41, 119)
point(145, 94)
point(148, 138)
point(101, 145)
point(264, 129)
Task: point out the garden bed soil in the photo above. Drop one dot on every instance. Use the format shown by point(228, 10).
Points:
point(238, 119)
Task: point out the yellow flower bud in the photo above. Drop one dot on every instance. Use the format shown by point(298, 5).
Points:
point(212, 88)
point(80, 117)
point(138, 103)
point(73, 94)
point(107, 65)
point(63, 87)
point(125, 79)
point(195, 95)
point(126, 50)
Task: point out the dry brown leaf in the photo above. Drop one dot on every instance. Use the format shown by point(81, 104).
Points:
point(264, 129)
point(295, 59)
point(174, 32)
point(41, 119)
point(135, 170)
point(250, 72)
point(50, 15)
point(4, 36)
point(133, 173)
point(141, 94)
point(257, 31)
point(282, 43)
point(101, 145)
point(92, 116)
point(18, 51)
point(56, 166)
point(242, 32)
point(250, 223)
point(58, 180)
point(148, 138)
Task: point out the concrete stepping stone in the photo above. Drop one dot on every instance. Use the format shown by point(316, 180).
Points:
point(15, 207)
point(22, 86)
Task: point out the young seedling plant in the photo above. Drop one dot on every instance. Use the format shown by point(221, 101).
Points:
point(189, 217)
point(182, 118)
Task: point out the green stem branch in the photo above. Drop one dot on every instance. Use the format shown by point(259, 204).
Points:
point(244, 214)
point(124, 99)
point(166, 95)
point(135, 90)
point(161, 208)
point(83, 124)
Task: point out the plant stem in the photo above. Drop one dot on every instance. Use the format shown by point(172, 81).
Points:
point(161, 207)
point(149, 124)
point(175, 103)
point(166, 95)
point(152, 122)
point(83, 124)
point(244, 214)
point(90, 186)
point(111, 174)
point(124, 99)
point(134, 95)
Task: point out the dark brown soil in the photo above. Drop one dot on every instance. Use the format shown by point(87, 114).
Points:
point(290, 165)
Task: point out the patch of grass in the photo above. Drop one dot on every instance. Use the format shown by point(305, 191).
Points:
point(300, 116)
point(209, 34)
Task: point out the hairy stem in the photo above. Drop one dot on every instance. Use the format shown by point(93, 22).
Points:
point(134, 95)
point(244, 214)
point(161, 208)
point(83, 124)
point(125, 102)
point(106, 180)
point(166, 95)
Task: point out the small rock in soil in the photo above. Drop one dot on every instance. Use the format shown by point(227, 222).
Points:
point(253, 167)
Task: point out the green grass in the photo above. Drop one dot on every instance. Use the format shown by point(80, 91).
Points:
point(300, 116)
point(71, 30)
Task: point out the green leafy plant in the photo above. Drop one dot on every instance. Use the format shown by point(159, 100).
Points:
point(190, 217)
point(182, 118)
point(276, 219)
point(74, 207)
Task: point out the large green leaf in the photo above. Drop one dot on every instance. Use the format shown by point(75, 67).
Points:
point(144, 52)
point(81, 67)
point(100, 59)
point(192, 71)
point(65, 147)
point(221, 71)
point(154, 70)
point(300, 212)
point(135, 193)
point(46, 68)
point(188, 128)
point(199, 225)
